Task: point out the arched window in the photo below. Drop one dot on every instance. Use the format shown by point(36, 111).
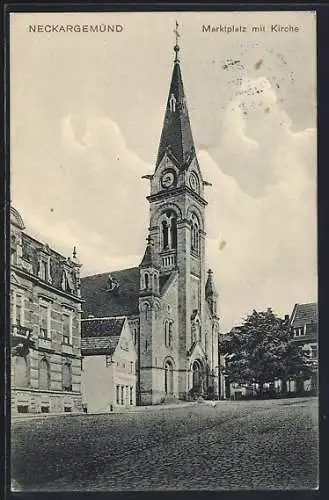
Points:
point(67, 377)
point(146, 311)
point(169, 230)
point(44, 374)
point(173, 232)
point(165, 235)
point(166, 331)
point(195, 230)
point(169, 377)
point(170, 334)
point(147, 283)
point(21, 372)
point(155, 281)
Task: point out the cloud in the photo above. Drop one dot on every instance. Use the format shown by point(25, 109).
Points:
point(269, 259)
point(87, 194)
point(255, 129)
point(90, 194)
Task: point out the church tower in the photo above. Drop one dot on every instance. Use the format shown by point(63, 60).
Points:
point(177, 232)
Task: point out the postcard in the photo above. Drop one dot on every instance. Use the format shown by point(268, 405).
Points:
point(163, 267)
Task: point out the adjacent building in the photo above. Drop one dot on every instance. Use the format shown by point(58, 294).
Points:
point(45, 307)
point(108, 364)
point(304, 321)
point(170, 301)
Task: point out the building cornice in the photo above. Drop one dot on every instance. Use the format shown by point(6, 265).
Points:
point(37, 281)
point(45, 391)
point(172, 193)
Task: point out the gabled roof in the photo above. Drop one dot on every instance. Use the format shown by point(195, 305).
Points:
point(100, 335)
point(176, 136)
point(102, 327)
point(195, 347)
point(100, 301)
point(304, 314)
point(98, 345)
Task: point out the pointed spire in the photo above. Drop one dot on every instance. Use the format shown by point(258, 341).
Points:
point(176, 137)
point(148, 259)
point(210, 286)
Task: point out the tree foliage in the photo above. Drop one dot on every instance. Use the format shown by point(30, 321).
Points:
point(262, 350)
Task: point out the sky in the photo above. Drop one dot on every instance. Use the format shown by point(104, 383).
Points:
point(86, 112)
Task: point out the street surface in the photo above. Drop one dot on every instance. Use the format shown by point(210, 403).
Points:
point(235, 445)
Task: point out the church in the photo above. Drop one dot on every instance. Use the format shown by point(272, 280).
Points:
point(169, 300)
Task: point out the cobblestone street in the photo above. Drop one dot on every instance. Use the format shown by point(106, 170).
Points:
point(235, 445)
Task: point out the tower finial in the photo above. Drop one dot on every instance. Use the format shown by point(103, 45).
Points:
point(176, 47)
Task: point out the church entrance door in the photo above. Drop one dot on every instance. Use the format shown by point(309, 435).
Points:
point(197, 377)
point(169, 378)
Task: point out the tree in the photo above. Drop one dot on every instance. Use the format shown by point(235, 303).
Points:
point(262, 350)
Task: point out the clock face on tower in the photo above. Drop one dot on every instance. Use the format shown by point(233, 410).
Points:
point(167, 179)
point(194, 182)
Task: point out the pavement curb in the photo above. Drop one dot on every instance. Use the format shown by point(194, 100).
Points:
point(141, 409)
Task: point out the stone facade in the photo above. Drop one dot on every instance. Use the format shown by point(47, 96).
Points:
point(187, 363)
point(45, 308)
point(169, 300)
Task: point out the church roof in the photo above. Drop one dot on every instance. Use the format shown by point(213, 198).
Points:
point(176, 136)
point(100, 301)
